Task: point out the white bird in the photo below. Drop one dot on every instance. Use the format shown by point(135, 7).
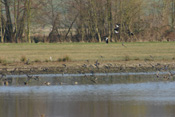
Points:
point(50, 58)
point(117, 25)
point(107, 40)
point(116, 32)
point(117, 28)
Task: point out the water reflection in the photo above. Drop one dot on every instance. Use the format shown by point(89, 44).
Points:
point(111, 96)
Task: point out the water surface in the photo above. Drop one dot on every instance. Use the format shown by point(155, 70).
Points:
point(132, 95)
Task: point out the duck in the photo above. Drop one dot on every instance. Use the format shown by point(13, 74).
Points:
point(47, 83)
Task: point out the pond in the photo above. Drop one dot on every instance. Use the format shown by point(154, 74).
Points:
point(88, 95)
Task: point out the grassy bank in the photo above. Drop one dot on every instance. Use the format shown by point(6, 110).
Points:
point(89, 51)
point(82, 57)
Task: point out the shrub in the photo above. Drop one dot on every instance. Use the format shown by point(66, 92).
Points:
point(60, 59)
point(23, 59)
point(64, 59)
point(47, 60)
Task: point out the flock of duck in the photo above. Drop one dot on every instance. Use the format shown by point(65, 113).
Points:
point(162, 72)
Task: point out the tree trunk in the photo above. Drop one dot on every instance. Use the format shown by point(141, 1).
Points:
point(21, 24)
point(71, 26)
point(2, 37)
point(109, 15)
point(95, 19)
point(173, 14)
point(9, 26)
point(28, 21)
point(54, 35)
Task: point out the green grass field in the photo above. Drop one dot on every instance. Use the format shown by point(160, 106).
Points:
point(89, 51)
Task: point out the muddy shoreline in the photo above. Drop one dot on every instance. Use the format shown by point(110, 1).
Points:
point(86, 67)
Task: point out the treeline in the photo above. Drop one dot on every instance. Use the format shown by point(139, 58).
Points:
point(86, 20)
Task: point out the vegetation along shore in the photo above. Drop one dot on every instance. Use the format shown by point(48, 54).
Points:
point(86, 57)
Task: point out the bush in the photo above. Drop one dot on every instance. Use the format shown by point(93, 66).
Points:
point(60, 59)
point(23, 59)
point(64, 59)
point(47, 60)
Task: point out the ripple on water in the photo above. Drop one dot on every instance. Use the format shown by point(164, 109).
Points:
point(150, 91)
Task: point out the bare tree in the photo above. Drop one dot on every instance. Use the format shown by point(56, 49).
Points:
point(12, 28)
point(28, 20)
point(109, 18)
point(48, 15)
point(1, 25)
point(9, 26)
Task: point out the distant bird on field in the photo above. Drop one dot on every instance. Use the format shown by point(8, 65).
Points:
point(87, 61)
point(27, 62)
point(64, 65)
point(123, 45)
point(97, 64)
point(50, 58)
point(101, 56)
point(84, 65)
